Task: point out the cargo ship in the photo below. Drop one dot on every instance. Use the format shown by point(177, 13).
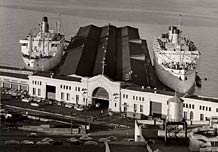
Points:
point(175, 60)
point(42, 50)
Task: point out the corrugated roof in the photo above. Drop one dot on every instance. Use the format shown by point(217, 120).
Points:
point(125, 57)
point(81, 52)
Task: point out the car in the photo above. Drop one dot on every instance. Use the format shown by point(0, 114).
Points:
point(79, 108)
point(85, 138)
point(33, 134)
point(27, 142)
point(103, 140)
point(36, 99)
point(128, 139)
point(68, 105)
point(90, 143)
point(34, 104)
point(25, 99)
point(42, 142)
point(112, 138)
point(47, 139)
point(12, 142)
point(72, 140)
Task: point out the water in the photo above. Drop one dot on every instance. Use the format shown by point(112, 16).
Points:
point(200, 20)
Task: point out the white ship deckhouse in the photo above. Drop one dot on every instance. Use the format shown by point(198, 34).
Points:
point(43, 50)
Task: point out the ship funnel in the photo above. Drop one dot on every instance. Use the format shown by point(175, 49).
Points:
point(44, 26)
point(175, 35)
point(170, 33)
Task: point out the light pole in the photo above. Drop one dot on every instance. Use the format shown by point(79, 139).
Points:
point(84, 94)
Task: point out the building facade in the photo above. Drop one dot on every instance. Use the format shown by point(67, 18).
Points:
point(79, 90)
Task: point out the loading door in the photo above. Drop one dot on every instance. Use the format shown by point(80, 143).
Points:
point(50, 92)
point(6, 85)
point(24, 87)
point(155, 109)
point(14, 86)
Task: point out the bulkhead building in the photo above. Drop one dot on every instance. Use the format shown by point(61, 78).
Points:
point(111, 66)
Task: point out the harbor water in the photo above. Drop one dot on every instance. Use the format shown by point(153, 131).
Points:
point(199, 21)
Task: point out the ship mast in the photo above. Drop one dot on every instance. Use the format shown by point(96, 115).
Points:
point(30, 42)
point(180, 29)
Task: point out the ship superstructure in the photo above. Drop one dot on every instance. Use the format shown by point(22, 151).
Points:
point(43, 50)
point(175, 60)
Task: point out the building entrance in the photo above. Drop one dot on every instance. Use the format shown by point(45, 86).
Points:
point(100, 98)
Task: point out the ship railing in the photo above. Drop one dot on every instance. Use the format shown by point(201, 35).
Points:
point(178, 66)
point(37, 57)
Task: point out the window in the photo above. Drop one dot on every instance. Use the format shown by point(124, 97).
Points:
point(68, 96)
point(216, 109)
point(34, 91)
point(125, 107)
point(61, 86)
point(123, 95)
point(75, 88)
point(78, 88)
point(126, 96)
point(115, 104)
point(209, 108)
point(143, 99)
point(136, 97)
point(24, 44)
point(193, 106)
point(133, 97)
point(40, 83)
point(203, 108)
point(64, 86)
point(200, 107)
point(191, 115)
point(201, 117)
point(184, 105)
point(135, 107)
point(141, 108)
point(206, 108)
point(185, 115)
point(62, 95)
point(69, 87)
point(39, 92)
point(84, 99)
point(189, 106)
point(77, 99)
point(33, 82)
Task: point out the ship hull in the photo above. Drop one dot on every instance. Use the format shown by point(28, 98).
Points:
point(43, 64)
point(173, 82)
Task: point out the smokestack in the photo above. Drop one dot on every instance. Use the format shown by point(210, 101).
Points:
point(45, 26)
point(175, 35)
point(170, 33)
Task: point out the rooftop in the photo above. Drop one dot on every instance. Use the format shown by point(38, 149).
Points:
point(16, 75)
point(61, 77)
point(118, 52)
